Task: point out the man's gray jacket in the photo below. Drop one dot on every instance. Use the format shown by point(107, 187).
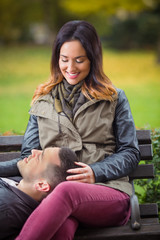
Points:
point(15, 208)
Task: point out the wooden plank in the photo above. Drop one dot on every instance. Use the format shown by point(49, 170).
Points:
point(10, 143)
point(148, 210)
point(150, 220)
point(143, 171)
point(146, 152)
point(147, 232)
point(11, 140)
point(5, 156)
point(143, 136)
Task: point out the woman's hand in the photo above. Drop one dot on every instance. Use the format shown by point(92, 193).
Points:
point(83, 174)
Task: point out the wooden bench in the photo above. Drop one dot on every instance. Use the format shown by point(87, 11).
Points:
point(144, 223)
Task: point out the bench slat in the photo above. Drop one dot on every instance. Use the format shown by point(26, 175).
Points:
point(13, 143)
point(148, 210)
point(149, 220)
point(143, 171)
point(10, 143)
point(9, 156)
point(146, 152)
point(143, 136)
point(119, 233)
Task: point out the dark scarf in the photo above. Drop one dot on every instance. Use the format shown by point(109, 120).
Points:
point(68, 98)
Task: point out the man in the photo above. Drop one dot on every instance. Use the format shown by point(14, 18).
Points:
point(41, 172)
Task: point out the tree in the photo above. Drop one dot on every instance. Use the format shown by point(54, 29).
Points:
point(85, 8)
point(13, 18)
point(16, 17)
point(137, 22)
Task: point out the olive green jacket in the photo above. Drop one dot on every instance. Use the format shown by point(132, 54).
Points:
point(102, 134)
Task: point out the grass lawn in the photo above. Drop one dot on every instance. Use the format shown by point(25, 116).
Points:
point(23, 68)
point(138, 74)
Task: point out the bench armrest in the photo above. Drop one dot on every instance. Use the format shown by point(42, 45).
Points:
point(135, 213)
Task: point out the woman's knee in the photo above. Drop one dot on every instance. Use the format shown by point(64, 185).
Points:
point(65, 186)
point(68, 189)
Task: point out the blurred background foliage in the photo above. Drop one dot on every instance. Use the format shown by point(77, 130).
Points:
point(122, 24)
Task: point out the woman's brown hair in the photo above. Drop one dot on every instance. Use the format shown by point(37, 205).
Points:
point(96, 85)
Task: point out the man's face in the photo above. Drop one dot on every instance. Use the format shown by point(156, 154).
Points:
point(37, 162)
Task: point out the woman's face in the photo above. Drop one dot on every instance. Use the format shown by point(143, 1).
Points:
point(73, 62)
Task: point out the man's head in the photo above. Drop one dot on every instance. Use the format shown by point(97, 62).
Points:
point(43, 170)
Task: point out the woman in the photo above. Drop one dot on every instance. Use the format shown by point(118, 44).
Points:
point(80, 108)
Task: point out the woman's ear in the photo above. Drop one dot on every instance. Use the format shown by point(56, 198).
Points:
point(42, 186)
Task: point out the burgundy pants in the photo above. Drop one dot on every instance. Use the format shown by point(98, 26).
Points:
point(71, 203)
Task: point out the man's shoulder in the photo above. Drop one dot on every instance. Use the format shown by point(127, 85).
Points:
point(13, 196)
point(15, 208)
point(8, 198)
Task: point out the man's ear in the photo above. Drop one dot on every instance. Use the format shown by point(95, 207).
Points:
point(42, 186)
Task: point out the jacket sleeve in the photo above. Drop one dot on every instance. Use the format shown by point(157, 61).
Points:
point(127, 155)
point(31, 137)
point(30, 141)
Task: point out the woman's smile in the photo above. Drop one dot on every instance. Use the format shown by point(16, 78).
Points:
point(73, 62)
point(72, 75)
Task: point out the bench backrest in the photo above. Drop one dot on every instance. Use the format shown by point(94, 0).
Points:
point(10, 147)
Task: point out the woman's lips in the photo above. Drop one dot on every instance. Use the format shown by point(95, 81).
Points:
point(72, 75)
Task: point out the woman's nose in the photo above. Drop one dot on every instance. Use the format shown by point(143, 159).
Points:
point(71, 67)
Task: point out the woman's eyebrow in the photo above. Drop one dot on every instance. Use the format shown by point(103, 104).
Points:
point(75, 57)
point(81, 56)
point(63, 55)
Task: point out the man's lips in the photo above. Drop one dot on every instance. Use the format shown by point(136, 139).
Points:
point(27, 159)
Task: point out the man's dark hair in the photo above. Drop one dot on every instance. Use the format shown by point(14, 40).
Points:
point(56, 174)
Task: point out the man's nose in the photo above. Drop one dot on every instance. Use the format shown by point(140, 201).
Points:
point(35, 152)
